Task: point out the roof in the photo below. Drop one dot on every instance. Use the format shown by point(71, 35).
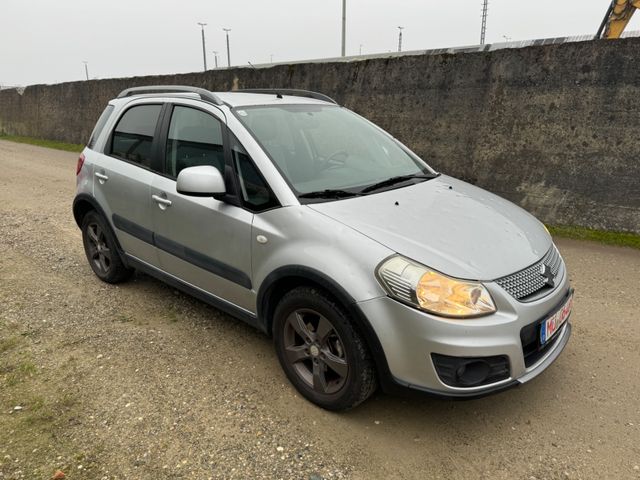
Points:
point(241, 98)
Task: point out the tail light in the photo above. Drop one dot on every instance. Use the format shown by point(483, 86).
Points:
point(80, 163)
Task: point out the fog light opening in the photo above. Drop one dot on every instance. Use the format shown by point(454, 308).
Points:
point(472, 373)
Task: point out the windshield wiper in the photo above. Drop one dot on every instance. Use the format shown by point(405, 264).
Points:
point(400, 178)
point(329, 193)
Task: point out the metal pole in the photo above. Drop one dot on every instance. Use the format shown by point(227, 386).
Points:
point(215, 58)
point(228, 51)
point(360, 49)
point(344, 26)
point(483, 30)
point(400, 39)
point(86, 69)
point(204, 51)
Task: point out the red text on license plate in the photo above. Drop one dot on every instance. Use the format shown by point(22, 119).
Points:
point(552, 324)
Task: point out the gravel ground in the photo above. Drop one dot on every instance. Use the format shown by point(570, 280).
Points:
point(140, 381)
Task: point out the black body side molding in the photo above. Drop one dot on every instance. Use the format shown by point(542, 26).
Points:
point(198, 259)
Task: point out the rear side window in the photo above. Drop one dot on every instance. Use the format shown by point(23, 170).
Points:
point(97, 130)
point(133, 136)
point(195, 138)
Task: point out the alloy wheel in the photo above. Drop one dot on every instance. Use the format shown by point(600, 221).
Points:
point(314, 349)
point(99, 251)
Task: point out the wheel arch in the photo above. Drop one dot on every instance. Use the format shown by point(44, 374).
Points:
point(85, 203)
point(284, 279)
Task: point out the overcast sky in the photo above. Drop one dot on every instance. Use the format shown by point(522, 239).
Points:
point(45, 41)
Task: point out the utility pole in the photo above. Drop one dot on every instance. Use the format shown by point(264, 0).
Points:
point(361, 49)
point(204, 52)
point(227, 30)
point(483, 30)
point(86, 68)
point(215, 57)
point(400, 38)
point(344, 26)
point(271, 56)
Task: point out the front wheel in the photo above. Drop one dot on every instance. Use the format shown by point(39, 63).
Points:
point(321, 353)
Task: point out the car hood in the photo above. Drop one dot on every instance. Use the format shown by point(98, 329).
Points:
point(448, 225)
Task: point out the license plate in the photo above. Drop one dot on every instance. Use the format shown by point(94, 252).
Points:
point(552, 324)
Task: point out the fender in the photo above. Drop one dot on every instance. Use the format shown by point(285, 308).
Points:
point(265, 308)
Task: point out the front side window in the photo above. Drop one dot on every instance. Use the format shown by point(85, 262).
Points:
point(195, 138)
point(133, 136)
point(326, 147)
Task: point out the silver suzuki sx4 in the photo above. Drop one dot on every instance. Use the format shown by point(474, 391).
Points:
point(366, 266)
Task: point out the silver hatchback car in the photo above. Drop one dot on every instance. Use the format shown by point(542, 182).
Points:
point(366, 266)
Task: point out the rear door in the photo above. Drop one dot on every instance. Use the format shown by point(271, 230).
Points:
point(123, 178)
point(201, 240)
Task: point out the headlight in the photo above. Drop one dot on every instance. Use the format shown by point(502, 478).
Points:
point(433, 292)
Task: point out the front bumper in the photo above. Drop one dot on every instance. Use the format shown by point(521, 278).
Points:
point(409, 337)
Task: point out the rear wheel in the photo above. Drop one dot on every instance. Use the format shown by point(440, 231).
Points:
point(100, 248)
point(321, 353)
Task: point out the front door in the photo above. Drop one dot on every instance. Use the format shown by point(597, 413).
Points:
point(200, 240)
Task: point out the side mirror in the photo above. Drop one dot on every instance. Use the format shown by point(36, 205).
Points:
point(202, 181)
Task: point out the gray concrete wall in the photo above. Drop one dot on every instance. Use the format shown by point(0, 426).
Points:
point(551, 128)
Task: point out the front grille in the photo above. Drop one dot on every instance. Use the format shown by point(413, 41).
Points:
point(530, 281)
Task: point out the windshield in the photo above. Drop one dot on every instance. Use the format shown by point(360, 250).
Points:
point(321, 148)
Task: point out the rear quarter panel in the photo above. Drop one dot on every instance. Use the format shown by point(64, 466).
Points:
point(84, 179)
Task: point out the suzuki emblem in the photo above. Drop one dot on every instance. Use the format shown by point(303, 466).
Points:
point(545, 271)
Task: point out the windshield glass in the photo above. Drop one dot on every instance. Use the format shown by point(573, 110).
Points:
point(318, 147)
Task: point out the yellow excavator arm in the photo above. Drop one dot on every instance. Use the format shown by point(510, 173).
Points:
point(618, 15)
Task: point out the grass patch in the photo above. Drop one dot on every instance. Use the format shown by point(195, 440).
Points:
point(41, 412)
point(123, 318)
point(40, 142)
point(7, 344)
point(172, 314)
point(623, 239)
point(126, 318)
point(20, 372)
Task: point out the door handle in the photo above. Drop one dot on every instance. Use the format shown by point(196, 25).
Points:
point(102, 177)
point(162, 201)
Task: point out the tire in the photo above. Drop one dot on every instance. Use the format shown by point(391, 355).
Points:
point(101, 249)
point(321, 353)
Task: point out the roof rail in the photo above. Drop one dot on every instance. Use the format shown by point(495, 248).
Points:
point(205, 95)
point(289, 91)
